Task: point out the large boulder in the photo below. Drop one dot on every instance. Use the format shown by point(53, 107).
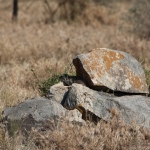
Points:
point(100, 104)
point(32, 113)
point(37, 108)
point(114, 69)
point(35, 112)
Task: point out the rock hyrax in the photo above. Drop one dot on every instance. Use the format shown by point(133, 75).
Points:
point(69, 80)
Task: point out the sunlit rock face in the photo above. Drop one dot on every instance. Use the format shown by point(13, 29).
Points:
point(114, 69)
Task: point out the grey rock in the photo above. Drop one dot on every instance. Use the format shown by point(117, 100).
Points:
point(35, 112)
point(111, 69)
point(39, 108)
point(32, 113)
point(74, 116)
point(57, 92)
point(133, 107)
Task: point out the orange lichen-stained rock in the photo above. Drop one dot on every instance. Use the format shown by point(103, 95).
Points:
point(113, 69)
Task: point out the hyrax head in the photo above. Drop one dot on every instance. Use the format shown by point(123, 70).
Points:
point(64, 77)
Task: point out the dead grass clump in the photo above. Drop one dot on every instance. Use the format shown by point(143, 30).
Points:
point(147, 74)
point(112, 135)
point(64, 135)
point(140, 18)
point(17, 142)
point(94, 15)
point(30, 79)
point(19, 82)
point(67, 10)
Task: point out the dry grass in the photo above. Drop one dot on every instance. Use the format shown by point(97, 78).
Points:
point(114, 135)
point(47, 48)
point(64, 135)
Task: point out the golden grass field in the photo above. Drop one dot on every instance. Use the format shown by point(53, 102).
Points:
point(32, 43)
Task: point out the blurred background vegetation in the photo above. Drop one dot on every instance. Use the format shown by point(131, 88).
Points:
point(44, 35)
point(75, 10)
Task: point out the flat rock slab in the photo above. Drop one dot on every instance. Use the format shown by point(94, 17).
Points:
point(130, 108)
point(114, 69)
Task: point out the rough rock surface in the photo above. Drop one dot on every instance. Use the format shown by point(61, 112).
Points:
point(114, 69)
point(74, 115)
point(135, 107)
point(57, 92)
point(39, 108)
point(35, 112)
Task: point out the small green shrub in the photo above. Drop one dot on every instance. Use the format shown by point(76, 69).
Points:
point(45, 85)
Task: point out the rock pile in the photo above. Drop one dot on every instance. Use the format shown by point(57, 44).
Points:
point(100, 69)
